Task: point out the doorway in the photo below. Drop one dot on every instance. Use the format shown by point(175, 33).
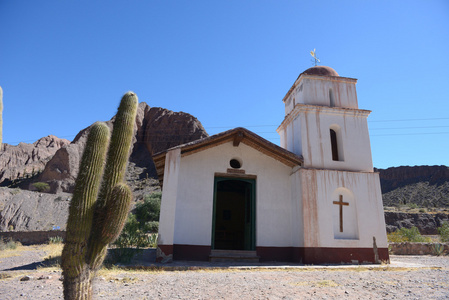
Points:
point(234, 214)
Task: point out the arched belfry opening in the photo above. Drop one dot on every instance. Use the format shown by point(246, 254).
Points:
point(331, 98)
point(336, 143)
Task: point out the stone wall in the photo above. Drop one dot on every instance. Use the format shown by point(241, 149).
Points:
point(31, 237)
point(407, 248)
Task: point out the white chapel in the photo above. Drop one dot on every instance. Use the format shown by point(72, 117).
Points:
point(313, 199)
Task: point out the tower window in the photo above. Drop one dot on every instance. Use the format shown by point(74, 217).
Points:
point(334, 145)
point(331, 98)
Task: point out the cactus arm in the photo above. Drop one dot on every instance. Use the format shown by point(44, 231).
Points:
point(119, 148)
point(110, 227)
point(114, 173)
point(116, 213)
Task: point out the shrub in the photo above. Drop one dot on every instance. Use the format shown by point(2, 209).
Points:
point(407, 235)
point(412, 205)
point(151, 227)
point(140, 230)
point(149, 209)
point(132, 235)
point(55, 240)
point(41, 186)
point(8, 244)
point(437, 249)
point(443, 231)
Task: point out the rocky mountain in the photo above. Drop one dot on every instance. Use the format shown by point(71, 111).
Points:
point(425, 186)
point(157, 129)
point(27, 160)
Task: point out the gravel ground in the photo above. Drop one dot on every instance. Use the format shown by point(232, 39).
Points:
point(411, 277)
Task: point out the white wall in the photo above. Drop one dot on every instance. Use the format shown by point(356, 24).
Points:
point(320, 187)
point(297, 209)
point(314, 90)
point(169, 198)
point(195, 190)
point(316, 122)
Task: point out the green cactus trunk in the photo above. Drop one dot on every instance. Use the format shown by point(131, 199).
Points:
point(100, 201)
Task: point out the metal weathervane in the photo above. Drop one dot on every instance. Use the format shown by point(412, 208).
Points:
point(313, 53)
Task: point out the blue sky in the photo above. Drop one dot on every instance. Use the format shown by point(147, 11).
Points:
point(66, 64)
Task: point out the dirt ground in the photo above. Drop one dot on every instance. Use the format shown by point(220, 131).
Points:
point(411, 277)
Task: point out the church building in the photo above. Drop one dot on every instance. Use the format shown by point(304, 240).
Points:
point(314, 199)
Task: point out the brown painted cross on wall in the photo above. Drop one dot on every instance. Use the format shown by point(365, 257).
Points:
point(341, 203)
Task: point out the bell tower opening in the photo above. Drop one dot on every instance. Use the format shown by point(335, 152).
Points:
point(334, 145)
point(331, 98)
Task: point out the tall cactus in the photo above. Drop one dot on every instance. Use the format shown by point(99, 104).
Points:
point(1, 118)
point(100, 201)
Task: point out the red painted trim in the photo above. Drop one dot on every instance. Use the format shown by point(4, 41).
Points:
point(191, 252)
point(276, 253)
point(342, 255)
point(316, 255)
point(321, 255)
point(166, 249)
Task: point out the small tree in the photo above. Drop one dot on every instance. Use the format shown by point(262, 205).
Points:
point(443, 231)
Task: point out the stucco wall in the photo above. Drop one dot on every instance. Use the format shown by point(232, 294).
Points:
point(315, 91)
point(316, 123)
point(363, 219)
point(195, 190)
point(169, 198)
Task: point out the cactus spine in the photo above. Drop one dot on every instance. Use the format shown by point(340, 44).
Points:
point(1, 118)
point(100, 200)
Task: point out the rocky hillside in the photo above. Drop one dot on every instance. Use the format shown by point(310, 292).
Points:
point(427, 223)
point(157, 129)
point(425, 186)
point(56, 162)
point(22, 210)
point(27, 160)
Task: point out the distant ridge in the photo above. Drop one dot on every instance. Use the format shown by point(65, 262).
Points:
point(425, 186)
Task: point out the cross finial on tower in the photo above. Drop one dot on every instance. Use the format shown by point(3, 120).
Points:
point(313, 53)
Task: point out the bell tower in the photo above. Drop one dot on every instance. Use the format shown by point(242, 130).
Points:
point(323, 123)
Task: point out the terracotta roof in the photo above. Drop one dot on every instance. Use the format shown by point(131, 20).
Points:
point(321, 70)
point(237, 135)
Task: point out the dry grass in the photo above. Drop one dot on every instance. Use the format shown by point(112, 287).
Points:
point(13, 252)
point(319, 283)
point(51, 250)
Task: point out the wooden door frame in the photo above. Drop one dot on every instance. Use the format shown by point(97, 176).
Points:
point(249, 179)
